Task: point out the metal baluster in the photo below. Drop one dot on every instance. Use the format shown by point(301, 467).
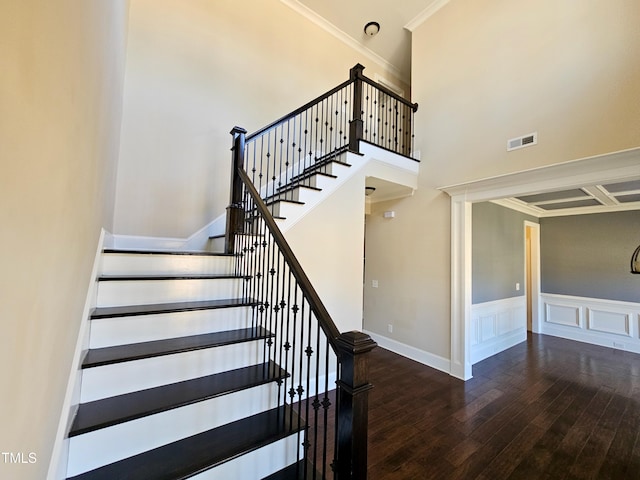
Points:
point(326, 404)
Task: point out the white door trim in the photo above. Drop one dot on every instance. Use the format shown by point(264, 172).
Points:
point(607, 168)
point(535, 273)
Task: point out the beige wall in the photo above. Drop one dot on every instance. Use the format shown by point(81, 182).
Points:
point(329, 244)
point(194, 70)
point(60, 98)
point(484, 72)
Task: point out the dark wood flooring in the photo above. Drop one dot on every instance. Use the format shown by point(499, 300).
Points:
point(545, 409)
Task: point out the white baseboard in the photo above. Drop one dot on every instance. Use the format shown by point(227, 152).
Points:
point(608, 323)
point(58, 464)
point(496, 326)
point(421, 356)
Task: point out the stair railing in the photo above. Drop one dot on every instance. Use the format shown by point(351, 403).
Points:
point(285, 153)
point(327, 384)
point(307, 344)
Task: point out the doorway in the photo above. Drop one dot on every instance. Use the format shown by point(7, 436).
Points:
point(532, 274)
point(608, 168)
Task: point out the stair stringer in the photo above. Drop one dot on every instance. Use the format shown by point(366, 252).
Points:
point(371, 162)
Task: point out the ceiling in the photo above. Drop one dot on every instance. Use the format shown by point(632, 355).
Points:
point(392, 46)
point(393, 42)
point(588, 199)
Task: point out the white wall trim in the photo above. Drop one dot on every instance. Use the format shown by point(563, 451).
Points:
point(607, 168)
point(518, 206)
point(419, 19)
point(608, 323)
point(58, 464)
point(342, 36)
point(515, 204)
point(461, 248)
point(497, 325)
point(535, 273)
point(426, 358)
point(398, 90)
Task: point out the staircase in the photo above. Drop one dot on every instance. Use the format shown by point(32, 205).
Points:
point(176, 383)
point(227, 365)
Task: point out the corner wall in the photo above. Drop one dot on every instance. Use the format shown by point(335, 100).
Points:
point(60, 97)
point(194, 70)
point(589, 255)
point(498, 252)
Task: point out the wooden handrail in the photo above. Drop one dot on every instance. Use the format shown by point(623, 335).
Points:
point(326, 323)
point(298, 111)
point(357, 68)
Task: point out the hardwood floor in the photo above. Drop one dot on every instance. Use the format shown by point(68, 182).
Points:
point(546, 409)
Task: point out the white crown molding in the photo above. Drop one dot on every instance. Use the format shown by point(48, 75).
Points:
point(515, 204)
point(599, 169)
point(342, 36)
point(518, 206)
point(425, 14)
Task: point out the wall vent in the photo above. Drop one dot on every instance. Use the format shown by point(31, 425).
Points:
point(523, 141)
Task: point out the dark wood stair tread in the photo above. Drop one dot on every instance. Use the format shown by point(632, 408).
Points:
point(158, 308)
point(295, 471)
point(164, 276)
point(241, 234)
point(203, 253)
point(289, 187)
point(276, 198)
point(136, 351)
point(123, 408)
point(196, 454)
point(305, 176)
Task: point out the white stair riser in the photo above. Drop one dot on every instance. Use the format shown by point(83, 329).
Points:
point(217, 244)
point(141, 292)
point(258, 463)
point(108, 445)
point(107, 332)
point(285, 209)
point(334, 168)
point(319, 181)
point(301, 194)
point(140, 264)
point(125, 377)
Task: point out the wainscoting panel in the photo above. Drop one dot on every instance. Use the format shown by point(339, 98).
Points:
point(496, 326)
point(566, 315)
point(608, 323)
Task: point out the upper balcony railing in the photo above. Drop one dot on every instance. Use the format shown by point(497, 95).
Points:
point(281, 155)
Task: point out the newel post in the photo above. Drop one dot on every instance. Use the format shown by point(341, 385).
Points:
point(235, 211)
point(356, 126)
point(353, 404)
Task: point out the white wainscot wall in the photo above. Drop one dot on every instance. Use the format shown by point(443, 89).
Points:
point(608, 323)
point(496, 326)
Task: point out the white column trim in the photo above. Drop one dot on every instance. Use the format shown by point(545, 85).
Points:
point(460, 288)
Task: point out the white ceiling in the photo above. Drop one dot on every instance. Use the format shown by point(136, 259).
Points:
point(393, 42)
